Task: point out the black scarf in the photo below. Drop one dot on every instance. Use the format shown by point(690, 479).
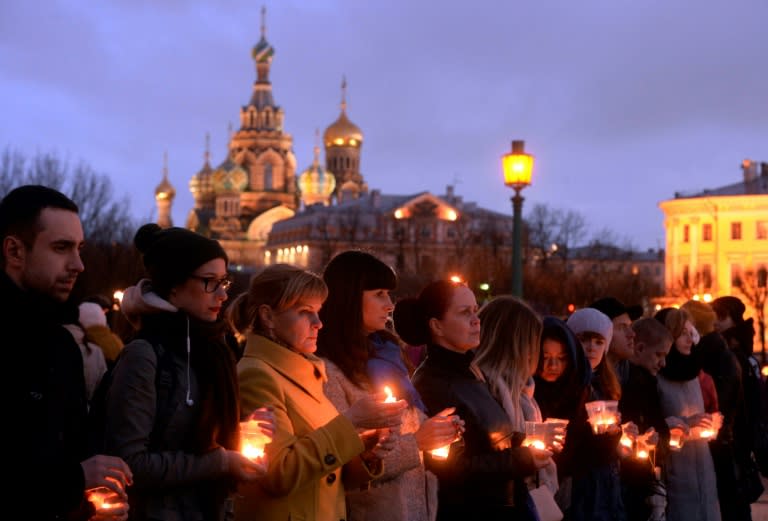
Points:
point(680, 367)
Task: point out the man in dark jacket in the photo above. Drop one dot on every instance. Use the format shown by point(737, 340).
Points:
point(50, 467)
point(640, 403)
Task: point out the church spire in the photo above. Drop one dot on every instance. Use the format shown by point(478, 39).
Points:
point(344, 93)
point(264, 22)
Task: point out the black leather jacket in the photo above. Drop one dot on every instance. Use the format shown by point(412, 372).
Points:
point(482, 477)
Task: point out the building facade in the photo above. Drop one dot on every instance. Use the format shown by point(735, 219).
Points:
point(717, 238)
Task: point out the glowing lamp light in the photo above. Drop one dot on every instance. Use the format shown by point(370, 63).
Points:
point(456, 279)
point(452, 215)
point(399, 214)
point(517, 166)
point(390, 397)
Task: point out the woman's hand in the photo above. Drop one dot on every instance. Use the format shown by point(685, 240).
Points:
point(541, 457)
point(265, 417)
point(440, 430)
point(702, 420)
point(370, 412)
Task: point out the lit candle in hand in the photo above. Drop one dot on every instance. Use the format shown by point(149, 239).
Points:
point(390, 398)
point(103, 499)
point(440, 452)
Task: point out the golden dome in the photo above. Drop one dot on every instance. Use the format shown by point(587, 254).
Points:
point(165, 190)
point(343, 132)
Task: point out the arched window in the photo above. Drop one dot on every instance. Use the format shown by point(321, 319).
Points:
point(268, 183)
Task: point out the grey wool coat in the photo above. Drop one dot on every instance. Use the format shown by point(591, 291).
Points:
point(406, 491)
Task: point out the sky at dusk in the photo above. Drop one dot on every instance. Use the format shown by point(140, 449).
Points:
point(622, 102)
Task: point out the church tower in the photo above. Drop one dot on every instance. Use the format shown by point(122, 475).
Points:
point(164, 194)
point(343, 141)
point(261, 149)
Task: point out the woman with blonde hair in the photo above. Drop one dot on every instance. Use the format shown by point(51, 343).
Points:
point(312, 441)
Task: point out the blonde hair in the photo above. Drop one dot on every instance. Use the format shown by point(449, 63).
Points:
point(279, 286)
point(508, 354)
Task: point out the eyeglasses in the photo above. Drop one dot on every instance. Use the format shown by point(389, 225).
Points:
point(211, 284)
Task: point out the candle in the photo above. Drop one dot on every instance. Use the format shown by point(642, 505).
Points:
point(390, 398)
point(253, 441)
point(441, 452)
point(103, 499)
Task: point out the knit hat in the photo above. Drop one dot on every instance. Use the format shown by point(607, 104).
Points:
point(91, 314)
point(613, 307)
point(702, 314)
point(171, 255)
point(729, 306)
point(592, 321)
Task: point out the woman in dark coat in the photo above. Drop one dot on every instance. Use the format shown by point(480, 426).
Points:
point(482, 478)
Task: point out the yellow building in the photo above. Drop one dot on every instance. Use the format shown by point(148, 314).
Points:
point(716, 238)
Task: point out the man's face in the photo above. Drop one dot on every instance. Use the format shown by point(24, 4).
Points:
point(652, 357)
point(623, 340)
point(51, 265)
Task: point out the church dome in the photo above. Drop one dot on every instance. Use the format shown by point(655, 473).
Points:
point(316, 182)
point(165, 189)
point(343, 132)
point(201, 181)
point(229, 177)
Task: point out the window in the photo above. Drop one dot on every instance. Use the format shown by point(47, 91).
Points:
point(268, 176)
point(686, 276)
point(761, 230)
point(686, 233)
point(706, 276)
point(736, 231)
point(735, 274)
point(706, 232)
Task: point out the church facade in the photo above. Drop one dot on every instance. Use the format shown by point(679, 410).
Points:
point(262, 211)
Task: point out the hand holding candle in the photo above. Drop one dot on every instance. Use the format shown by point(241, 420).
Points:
point(256, 433)
point(437, 433)
point(107, 503)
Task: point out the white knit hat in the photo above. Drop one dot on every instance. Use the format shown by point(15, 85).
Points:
point(91, 314)
point(593, 321)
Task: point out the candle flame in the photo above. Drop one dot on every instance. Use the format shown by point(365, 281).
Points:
point(642, 454)
point(440, 452)
point(626, 441)
point(390, 397)
point(252, 452)
point(674, 443)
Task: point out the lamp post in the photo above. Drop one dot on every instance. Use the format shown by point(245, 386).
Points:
point(517, 166)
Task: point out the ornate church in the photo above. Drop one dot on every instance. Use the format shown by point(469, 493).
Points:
point(327, 207)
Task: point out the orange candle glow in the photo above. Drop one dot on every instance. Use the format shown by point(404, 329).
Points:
point(253, 440)
point(103, 499)
point(440, 452)
point(390, 398)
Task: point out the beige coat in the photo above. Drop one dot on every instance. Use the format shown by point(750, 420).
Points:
point(406, 491)
point(312, 440)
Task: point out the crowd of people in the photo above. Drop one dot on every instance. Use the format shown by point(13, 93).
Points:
point(430, 408)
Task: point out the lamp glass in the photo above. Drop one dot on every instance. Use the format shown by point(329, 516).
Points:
point(517, 169)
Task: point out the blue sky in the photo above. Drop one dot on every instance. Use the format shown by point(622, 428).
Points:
point(622, 102)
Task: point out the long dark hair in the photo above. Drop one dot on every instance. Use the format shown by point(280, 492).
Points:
point(342, 338)
point(412, 315)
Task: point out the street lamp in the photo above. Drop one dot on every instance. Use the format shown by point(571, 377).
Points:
point(518, 167)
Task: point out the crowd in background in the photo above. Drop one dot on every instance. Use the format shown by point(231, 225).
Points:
point(367, 409)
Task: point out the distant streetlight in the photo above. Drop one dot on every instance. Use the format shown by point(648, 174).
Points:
point(518, 167)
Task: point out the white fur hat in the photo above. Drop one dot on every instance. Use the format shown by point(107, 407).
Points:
point(593, 321)
point(91, 314)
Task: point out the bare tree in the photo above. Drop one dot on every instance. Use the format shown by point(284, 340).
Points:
point(753, 284)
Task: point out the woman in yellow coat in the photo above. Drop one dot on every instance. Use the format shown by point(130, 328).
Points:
point(312, 441)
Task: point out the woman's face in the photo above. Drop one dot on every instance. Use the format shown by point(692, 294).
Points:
point(192, 296)
point(298, 325)
point(377, 307)
point(554, 360)
point(594, 347)
point(685, 341)
point(459, 329)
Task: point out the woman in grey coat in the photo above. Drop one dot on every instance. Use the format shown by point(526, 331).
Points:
point(173, 405)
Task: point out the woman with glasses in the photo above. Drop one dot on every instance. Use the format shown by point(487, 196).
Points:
point(173, 406)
